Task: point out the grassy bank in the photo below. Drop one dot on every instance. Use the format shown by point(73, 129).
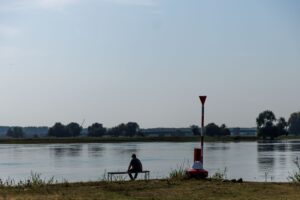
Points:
point(121, 139)
point(156, 189)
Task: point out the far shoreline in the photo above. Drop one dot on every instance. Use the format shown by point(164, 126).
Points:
point(136, 139)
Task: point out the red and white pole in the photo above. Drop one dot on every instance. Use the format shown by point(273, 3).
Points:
point(197, 169)
point(202, 99)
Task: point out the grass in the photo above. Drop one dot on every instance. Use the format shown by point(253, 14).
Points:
point(35, 180)
point(295, 177)
point(180, 172)
point(122, 139)
point(220, 175)
point(172, 188)
point(156, 189)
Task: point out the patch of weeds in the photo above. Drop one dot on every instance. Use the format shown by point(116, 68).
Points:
point(35, 180)
point(180, 172)
point(295, 177)
point(104, 177)
point(66, 183)
point(220, 175)
point(7, 183)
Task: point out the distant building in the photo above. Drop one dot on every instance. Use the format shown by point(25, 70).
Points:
point(163, 132)
point(29, 131)
point(3, 130)
point(243, 131)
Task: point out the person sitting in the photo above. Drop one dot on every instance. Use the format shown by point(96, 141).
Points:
point(135, 166)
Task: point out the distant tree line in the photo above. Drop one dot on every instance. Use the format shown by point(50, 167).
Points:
point(15, 132)
point(269, 127)
point(95, 130)
point(130, 129)
point(211, 129)
point(73, 129)
point(294, 123)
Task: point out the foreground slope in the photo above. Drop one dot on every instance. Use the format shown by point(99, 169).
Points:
point(156, 189)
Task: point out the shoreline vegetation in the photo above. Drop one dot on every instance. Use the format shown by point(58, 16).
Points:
point(52, 140)
point(168, 189)
point(177, 186)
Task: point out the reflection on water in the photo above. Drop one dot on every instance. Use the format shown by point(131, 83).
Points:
point(95, 150)
point(252, 161)
point(274, 159)
point(67, 150)
point(126, 149)
point(265, 157)
point(295, 146)
point(217, 146)
point(75, 150)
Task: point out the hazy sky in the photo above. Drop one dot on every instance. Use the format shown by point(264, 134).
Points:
point(114, 61)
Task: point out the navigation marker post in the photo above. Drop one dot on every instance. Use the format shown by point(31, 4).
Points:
point(197, 169)
point(202, 99)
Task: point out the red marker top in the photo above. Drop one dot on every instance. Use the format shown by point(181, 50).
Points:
point(202, 99)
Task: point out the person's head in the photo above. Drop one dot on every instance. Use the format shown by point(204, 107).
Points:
point(133, 156)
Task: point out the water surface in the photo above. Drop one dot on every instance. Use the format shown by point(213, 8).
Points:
point(251, 161)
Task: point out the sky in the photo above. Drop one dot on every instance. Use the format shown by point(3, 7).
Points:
point(115, 61)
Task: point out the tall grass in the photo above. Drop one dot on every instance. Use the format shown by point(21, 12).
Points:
point(295, 177)
point(180, 172)
point(35, 180)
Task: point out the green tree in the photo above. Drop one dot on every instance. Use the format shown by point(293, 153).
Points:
point(132, 128)
point(58, 130)
point(73, 129)
point(114, 132)
point(265, 117)
point(117, 131)
point(294, 123)
point(96, 130)
point(212, 129)
point(281, 127)
point(224, 131)
point(15, 132)
point(267, 126)
point(121, 129)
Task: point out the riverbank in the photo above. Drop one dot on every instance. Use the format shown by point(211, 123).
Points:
point(136, 139)
point(156, 189)
point(121, 139)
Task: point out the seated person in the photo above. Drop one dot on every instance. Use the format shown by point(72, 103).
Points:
point(135, 166)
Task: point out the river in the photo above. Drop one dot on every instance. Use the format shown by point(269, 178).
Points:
point(252, 161)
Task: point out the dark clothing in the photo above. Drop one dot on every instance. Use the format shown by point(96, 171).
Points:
point(131, 172)
point(136, 165)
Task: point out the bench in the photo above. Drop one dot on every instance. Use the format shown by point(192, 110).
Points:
point(111, 174)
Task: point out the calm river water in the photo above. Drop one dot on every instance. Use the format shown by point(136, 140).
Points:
point(252, 161)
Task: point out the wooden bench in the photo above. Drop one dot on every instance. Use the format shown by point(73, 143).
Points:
point(111, 174)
